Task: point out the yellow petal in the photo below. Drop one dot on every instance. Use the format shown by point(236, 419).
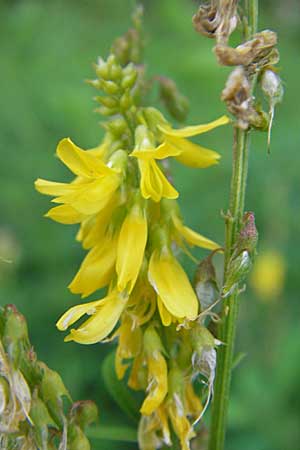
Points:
point(131, 247)
point(102, 323)
point(76, 312)
point(172, 285)
point(193, 155)
point(94, 228)
point(161, 152)
point(96, 269)
point(129, 346)
point(166, 317)
point(192, 237)
point(181, 425)
point(192, 401)
point(158, 383)
point(154, 184)
point(195, 129)
point(90, 198)
point(65, 214)
point(80, 162)
point(54, 188)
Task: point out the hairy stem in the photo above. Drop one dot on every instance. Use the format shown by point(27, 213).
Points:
point(230, 306)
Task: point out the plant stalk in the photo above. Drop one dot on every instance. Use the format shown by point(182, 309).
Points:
point(230, 307)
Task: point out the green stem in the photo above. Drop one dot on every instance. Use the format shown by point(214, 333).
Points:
point(230, 306)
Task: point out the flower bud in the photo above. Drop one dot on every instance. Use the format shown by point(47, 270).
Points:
point(206, 283)
point(77, 439)
point(117, 126)
point(108, 102)
point(15, 334)
point(51, 391)
point(102, 69)
point(176, 103)
point(129, 77)
point(41, 419)
point(110, 87)
point(84, 413)
point(126, 101)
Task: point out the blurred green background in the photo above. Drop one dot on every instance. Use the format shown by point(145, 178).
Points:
point(47, 49)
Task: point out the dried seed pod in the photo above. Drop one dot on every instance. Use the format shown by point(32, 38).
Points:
point(217, 20)
point(256, 52)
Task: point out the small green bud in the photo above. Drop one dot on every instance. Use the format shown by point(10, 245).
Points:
point(84, 413)
point(104, 111)
point(126, 101)
point(115, 72)
point(15, 334)
point(41, 419)
point(94, 83)
point(128, 81)
point(109, 102)
point(176, 103)
point(110, 87)
point(153, 118)
point(117, 126)
point(77, 439)
point(52, 390)
point(102, 69)
point(238, 269)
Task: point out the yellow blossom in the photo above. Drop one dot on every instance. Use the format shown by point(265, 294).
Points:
point(191, 236)
point(131, 246)
point(89, 193)
point(157, 372)
point(104, 313)
point(94, 228)
point(190, 154)
point(153, 183)
point(172, 285)
point(129, 345)
point(97, 267)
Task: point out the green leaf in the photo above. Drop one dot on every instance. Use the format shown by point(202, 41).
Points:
point(119, 390)
point(112, 433)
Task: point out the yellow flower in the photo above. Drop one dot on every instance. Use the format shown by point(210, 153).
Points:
point(157, 372)
point(153, 431)
point(89, 193)
point(131, 246)
point(153, 183)
point(172, 285)
point(104, 313)
point(94, 228)
point(190, 154)
point(190, 236)
point(129, 345)
point(97, 267)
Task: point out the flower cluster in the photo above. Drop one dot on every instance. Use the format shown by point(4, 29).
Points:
point(130, 224)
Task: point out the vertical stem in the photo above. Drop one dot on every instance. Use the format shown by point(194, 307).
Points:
point(230, 306)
